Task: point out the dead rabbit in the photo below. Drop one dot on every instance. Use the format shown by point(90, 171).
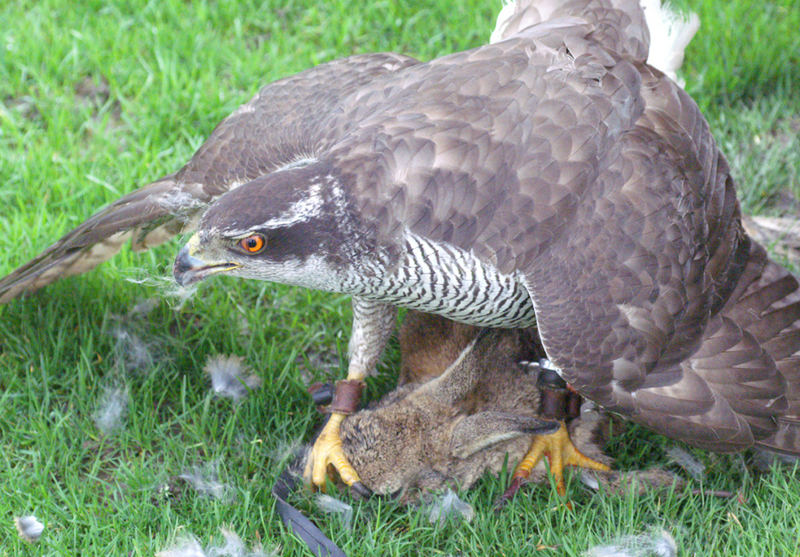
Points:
point(464, 404)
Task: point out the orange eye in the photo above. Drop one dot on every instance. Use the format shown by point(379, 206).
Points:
point(253, 244)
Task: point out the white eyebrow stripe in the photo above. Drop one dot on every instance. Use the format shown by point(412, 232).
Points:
point(237, 234)
point(300, 211)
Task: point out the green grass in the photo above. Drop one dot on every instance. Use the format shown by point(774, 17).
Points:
point(97, 99)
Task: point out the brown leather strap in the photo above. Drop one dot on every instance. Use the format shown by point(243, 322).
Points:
point(573, 404)
point(553, 404)
point(552, 391)
point(347, 396)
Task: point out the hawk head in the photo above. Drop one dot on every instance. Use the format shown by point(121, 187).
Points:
point(287, 227)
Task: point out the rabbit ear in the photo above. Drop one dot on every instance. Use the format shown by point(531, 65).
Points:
point(461, 376)
point(485, 429)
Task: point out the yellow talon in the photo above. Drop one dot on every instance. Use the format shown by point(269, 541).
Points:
point(561, 452)
point(327, 451)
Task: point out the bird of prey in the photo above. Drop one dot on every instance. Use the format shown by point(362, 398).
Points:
point(552, 179)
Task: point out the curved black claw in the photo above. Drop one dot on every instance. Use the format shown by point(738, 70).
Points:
point(516, 483)
point(360, 490)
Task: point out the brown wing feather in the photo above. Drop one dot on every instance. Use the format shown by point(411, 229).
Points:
point(287, 120)
point(768, 306)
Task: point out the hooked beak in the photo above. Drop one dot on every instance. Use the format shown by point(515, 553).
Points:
point(188, 269)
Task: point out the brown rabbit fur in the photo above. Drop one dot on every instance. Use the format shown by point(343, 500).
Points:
point(463, 404)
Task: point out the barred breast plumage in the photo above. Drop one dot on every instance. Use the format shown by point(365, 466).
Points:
point(445, 280)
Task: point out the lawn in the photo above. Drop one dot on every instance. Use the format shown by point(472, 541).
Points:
point(97, 98)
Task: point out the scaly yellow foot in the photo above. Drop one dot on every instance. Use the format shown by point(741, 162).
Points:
point(327, 452)
point(560, 451)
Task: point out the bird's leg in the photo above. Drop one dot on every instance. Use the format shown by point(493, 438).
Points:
point(557, 402)
point(373, 324)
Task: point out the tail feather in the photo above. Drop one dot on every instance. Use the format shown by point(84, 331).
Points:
point(783, 346)
point(774, 322)
point(769, 309)
point(147, 216)
point(749, 359)
point(763, 298)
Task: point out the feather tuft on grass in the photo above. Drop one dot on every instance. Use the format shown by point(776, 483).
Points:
point(233, 546)
point(656, 543)
point(687, 461)
point(29, 528)
point(450, 506)
point(111, 409)
point(187, 546)
point(143, 308)
point(136, 348)
point(590, 480)
point(230, 377)
point(204, 478)
point(133, 352)
point(331, 505)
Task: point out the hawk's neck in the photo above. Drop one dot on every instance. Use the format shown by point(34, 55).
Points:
point(439, 278)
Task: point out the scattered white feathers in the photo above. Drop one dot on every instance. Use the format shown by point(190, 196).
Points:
point(168, 289)
point(143, 307)
point(135, 349)
point(589, 479)
point(233, 546)
point(204, 478)
point(449, 506)
point(185, 547)
point(112, 408)
point(685, 460)
point(29, 528)
point(133, 353)
point(230, 377)
point(331, 505)
point(656, 543)
point(670, 33)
